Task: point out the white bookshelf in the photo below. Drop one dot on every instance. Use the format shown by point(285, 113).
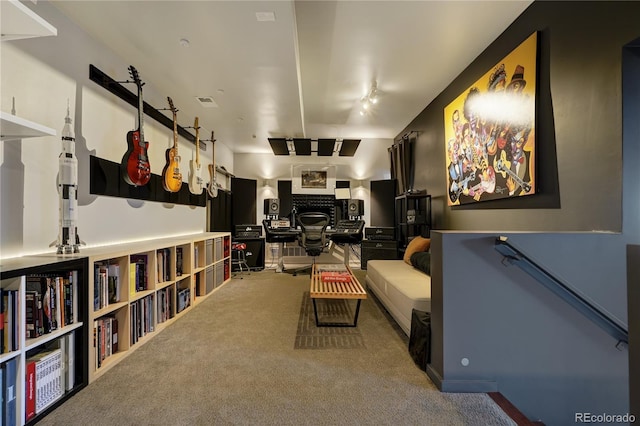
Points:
point(14, 127)
point(18, 22)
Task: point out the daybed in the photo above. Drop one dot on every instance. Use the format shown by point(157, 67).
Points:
point(400, 286)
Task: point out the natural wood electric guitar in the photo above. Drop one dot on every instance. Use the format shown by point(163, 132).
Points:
point(171, 176)
point(196, 183)
point(212, 186)
point(135, 166)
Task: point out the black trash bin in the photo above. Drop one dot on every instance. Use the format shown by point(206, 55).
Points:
point(420, 338)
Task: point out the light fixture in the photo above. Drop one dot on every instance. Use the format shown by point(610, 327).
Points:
point(371, 98)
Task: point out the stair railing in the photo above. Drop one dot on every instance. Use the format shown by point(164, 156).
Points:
point(514, 256)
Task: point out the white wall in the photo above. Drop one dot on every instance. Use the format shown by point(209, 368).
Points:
point(42, 74)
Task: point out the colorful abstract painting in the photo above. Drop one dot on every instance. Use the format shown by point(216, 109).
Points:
point(490, 132)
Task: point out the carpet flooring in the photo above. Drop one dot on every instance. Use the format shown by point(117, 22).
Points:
point(329, 310)
point(231, 360)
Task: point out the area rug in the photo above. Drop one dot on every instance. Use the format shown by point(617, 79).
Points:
point(309, 336)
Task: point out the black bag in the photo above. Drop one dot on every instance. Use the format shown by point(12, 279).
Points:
point(420, 338)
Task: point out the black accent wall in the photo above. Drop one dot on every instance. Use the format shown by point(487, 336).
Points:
point(578, 123)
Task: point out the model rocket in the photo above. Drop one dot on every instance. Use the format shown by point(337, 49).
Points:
point(67, 182)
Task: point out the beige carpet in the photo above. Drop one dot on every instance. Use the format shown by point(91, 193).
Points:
point(231, 360)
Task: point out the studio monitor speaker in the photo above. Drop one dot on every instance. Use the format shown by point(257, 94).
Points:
point(271, 206)
point(355, 207)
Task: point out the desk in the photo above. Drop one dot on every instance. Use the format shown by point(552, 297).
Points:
point(336, 290)
point(280, 236)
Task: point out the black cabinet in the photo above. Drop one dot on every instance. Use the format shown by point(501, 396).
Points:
point(377, 249)
point(413, 217)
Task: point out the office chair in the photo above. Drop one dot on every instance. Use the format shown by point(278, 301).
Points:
point(312, 236)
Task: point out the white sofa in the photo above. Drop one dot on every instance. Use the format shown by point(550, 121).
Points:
point(400, 288)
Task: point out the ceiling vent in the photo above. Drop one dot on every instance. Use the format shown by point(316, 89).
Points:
point(206, 102)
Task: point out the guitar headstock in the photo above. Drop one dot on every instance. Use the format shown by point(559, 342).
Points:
point(171, 107)
point(135, 76)
point(195, 126)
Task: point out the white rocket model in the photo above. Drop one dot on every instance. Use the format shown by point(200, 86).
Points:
point(68, 240)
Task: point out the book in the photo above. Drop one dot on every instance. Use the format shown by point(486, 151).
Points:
point(335, 276)
point(113, 282)
point(178, 261)
point(70, 355)
point(30, 390)
point(10, 387)
point(132, 279)
point(48, 381)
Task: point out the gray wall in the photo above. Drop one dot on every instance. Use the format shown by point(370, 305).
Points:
point(522, 340)
point(519, 338)
point(579, 122)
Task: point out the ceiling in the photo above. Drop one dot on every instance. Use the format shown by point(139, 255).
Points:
point(304, 74)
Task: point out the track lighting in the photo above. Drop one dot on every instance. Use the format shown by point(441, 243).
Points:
point(371, 98)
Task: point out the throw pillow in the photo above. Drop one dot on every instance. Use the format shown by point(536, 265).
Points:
point(422, 260)
point(417, 244)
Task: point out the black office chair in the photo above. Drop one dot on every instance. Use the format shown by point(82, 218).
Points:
point(312, 236)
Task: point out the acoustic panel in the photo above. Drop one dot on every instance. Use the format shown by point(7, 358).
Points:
point(349, 147)
point(302, 146)
point(325, 147)
point(279, 146)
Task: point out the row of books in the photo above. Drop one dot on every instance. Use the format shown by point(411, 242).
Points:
point(10, 321)
point(105, 338)
point(165, 304)
point(138, 278)
point(49, 303)
point(48, 375)
point(106, 284)
point(142, 318)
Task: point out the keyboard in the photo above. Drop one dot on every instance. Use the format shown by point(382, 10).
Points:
point(349, 227)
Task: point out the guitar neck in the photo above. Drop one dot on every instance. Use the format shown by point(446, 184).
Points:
point(175, 132)
point(140, 113)
point(197, 141)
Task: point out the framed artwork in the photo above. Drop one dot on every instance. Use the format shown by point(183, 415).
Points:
point(490, 143)
point(314, 179)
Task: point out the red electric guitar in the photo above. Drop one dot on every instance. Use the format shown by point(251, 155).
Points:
point(135, 166)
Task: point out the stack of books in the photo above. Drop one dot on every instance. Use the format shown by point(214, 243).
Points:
point(334, 273)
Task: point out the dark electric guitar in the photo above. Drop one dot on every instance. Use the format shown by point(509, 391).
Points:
point(135, 166)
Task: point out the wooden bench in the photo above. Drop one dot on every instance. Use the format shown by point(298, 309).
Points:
point(350, 289)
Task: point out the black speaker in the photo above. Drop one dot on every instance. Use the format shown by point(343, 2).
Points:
point(377, 250)
point(254, 253)
point(355, 207)
point(271, 206)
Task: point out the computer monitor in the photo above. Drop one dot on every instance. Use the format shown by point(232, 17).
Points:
point(342, 193)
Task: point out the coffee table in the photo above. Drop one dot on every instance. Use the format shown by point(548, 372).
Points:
point(350, 289)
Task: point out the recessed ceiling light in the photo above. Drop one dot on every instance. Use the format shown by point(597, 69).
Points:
point(265, 16)
point(207, 101)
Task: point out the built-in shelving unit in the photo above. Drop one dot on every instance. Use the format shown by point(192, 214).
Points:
point(17, 21)
point(56, 283)
point(14, 127)
point(138, 289)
